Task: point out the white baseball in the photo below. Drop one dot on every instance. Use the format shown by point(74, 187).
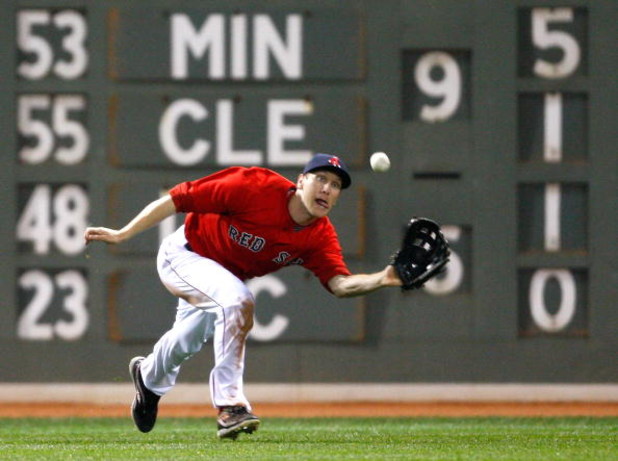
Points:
point(380, 162)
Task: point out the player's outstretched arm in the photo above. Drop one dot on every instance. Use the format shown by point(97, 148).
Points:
point(344, 286)
point(151, 215)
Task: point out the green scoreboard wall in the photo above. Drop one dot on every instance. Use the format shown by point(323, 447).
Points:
point(499, 117)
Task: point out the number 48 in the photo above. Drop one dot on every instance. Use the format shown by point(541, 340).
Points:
point(60, 218)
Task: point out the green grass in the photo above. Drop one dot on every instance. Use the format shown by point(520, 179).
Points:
point(307, 439)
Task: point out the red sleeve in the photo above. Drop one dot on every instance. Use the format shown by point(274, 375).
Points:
point(217, 193)
point(326, 261)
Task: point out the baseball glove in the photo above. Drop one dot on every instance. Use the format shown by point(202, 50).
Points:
point(423, 254)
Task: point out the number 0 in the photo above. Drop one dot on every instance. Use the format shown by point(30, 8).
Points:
point(542, 317)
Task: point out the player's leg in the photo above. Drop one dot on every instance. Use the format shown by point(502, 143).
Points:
point(187, 336)
point(211, 290)
point(178, 269)
point(211, 287)
point(232, 327)
point(155, 375)
point(234, 310)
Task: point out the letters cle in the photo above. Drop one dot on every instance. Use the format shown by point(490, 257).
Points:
point(278, 133)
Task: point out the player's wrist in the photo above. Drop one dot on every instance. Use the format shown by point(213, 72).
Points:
point(390, 277)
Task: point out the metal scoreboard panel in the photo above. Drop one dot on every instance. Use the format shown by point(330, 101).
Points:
point(226, 43)
point(499, 119)
point(205, 127)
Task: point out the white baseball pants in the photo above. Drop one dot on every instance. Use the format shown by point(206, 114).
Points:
point(209, 295)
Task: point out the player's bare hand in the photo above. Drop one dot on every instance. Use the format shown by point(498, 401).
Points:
point(102, 234)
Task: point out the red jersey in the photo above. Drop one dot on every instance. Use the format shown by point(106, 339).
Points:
point(239, 217)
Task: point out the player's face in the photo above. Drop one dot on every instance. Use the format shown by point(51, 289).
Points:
point(319, 192)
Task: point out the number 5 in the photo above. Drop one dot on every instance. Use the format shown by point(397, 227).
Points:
point(544, 38)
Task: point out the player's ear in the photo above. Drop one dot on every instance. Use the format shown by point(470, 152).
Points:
point(299, 181)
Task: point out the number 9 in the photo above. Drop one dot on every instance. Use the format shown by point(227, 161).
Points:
point(448, 88)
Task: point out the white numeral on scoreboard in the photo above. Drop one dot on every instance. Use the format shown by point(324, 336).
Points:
point(447, 88)
point(74, 314)
point(70, 61)
point(59, 217)
point(552, 145)
point(452, 277)
point(543, 318)
point(553, 198)
point(544, 38)
point(46, 136)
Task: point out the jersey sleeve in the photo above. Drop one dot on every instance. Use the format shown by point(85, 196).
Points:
point(221, 192)
point(326, 260)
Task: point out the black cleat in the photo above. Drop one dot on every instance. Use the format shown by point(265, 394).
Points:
point(234, 420)
point(145, 403)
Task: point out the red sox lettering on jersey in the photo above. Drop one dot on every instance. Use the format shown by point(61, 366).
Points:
point(285, 256)
point(256, 244)
point(247, 240)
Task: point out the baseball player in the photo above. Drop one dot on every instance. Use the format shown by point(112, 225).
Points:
point(240, 223)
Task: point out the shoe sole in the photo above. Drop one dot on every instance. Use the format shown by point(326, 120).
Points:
point(248, 427)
